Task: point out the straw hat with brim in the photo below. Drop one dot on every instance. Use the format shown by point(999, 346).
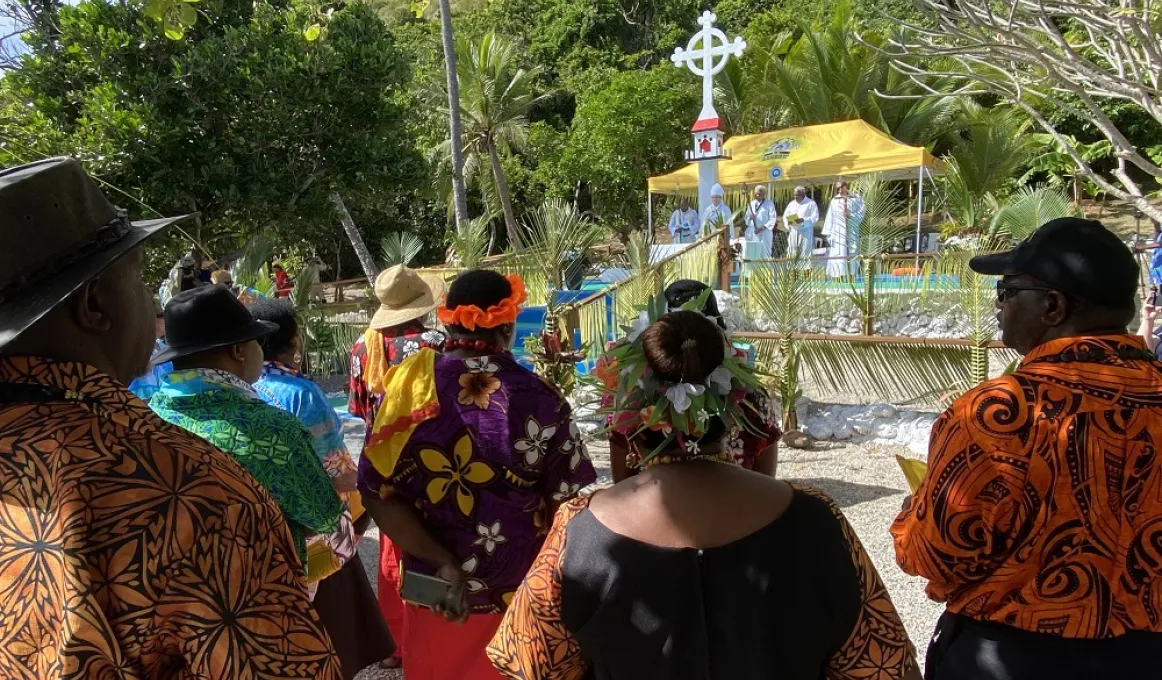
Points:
point(206, 318)
point(405, 295)
point(57, 232)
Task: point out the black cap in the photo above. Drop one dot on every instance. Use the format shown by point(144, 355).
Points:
point(206, 318)
point(1075, 256)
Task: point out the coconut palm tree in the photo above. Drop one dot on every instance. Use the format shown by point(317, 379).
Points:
point(455, 134)
point(496, 94)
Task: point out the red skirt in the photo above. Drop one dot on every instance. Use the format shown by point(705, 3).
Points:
point(390, 604)
point(439, 650)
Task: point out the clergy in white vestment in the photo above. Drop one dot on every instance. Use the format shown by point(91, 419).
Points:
point(761, 220)
point(800, 218)
point(717, 214)
point(841, 227)
point(684, 223)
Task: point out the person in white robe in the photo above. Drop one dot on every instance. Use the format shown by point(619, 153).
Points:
point(800, 218)
point(684, 223)
point(841, 227)
point(717, 214)
point(761, 220)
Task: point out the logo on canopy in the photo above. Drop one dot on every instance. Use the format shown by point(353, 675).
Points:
point(780, 149)
point(776, 172)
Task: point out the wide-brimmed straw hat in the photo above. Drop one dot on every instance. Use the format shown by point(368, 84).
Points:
point(206, 318)
point(405, 295)
point(57, 232)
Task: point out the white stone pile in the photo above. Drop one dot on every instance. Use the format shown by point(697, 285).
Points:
point(867, 424)
point(913, 322)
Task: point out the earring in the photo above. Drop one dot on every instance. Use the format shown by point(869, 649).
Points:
point(298, 357)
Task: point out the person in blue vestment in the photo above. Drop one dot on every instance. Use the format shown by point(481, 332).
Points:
point(345, 601)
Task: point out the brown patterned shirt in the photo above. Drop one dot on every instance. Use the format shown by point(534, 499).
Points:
point(1042, 505)
point(130, 548)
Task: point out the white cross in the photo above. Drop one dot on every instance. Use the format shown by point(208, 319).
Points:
point(690, 56)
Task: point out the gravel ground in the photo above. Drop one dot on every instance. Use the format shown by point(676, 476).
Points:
point(864, 480)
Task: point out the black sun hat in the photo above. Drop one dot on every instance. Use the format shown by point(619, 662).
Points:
point(57, 232)
point(206, 318)
point(1072, 255)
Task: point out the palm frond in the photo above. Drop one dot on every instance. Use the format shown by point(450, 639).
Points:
point(400, 248)
point(251, 267)
point(557, 235)
point(1028, 209)
point(470, 242)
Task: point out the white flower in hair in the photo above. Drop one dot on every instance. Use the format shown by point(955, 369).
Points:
point(639, 325)
point(703, 416)
point(692, 447)
point(679, 395)
point(719, 380)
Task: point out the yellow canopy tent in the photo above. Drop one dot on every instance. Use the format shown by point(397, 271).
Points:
point(816, 153)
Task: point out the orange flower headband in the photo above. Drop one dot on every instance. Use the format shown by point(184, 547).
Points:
point(471, 316)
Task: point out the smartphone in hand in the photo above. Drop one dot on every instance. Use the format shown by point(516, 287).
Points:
point(425, 591)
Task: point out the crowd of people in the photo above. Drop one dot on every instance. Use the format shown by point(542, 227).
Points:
point(209, 528)
point(794, 237)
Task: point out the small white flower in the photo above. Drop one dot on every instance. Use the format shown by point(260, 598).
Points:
point(702, 416)
point(679, 395)
point(432, 337)
point(692, 447)
point(536, 443)
point(481, 365)
point(566, 490)
point(719, 380)
point(489, 536)
point(640, 324)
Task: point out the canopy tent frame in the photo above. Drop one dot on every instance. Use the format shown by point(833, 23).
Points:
point(812, 155)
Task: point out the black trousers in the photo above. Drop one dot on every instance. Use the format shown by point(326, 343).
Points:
point(966, 649)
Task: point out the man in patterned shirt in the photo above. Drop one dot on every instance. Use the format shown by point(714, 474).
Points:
point(128, 547)
point(1040, 518)
point(405, 298)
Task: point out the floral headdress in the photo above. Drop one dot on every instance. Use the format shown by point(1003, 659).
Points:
point(473, 317)
point(683, 411)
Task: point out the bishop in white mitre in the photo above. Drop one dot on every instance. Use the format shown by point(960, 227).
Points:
point(684, 223)
point(841, 227)
point(800, 218)
point(717, 214)
point(761, 220)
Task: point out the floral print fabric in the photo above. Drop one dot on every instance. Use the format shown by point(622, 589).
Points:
point(130, 548)
point(484, 470)
point(399, 343)
point(269, 442)
point(1040, 509)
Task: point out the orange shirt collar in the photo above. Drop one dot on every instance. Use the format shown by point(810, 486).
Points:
point(1061, 344)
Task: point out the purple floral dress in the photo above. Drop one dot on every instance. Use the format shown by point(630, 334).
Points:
point(484, 471)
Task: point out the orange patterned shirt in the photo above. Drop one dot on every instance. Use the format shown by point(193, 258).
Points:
point(1042, 505)
point(131, 549)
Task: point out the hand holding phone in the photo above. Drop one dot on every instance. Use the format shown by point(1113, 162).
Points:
point(443, 593)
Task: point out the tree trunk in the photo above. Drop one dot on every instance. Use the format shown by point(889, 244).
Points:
point(514, 239)
point(361, 251)
point(459, 195)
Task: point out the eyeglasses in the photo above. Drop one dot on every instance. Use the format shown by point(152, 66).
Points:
point(1006, 290)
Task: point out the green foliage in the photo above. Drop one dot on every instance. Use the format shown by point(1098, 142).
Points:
point(1028, 209)
point(636, 127)
point(244, 120)
point(805, 76)
point(400, 248)
point(470, 243)
point(556, 236)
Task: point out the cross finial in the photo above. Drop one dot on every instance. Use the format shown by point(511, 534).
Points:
point(704, 61)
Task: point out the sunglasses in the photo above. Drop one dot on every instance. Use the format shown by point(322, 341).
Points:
point(1006, 290)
